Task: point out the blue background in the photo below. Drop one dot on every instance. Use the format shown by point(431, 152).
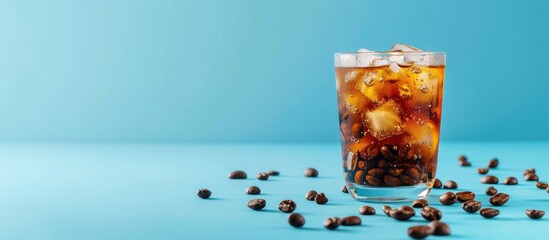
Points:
point(249, 71)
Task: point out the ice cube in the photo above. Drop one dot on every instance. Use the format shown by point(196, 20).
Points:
point(378, 62)
point(425, 89)
point(384, 121)
point(351, 76)
point(399, 47)
point(421, 135)
point(394, 67)
point(363, 50)
point(351, 161)
point(345, 60)
point(355, 102)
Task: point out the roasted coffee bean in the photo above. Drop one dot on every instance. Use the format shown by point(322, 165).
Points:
point(465, 164)
point(482, 170)
point(310, 172)
point(535, 214)
point(448, 198)
point(321, 198)
point(542, 185)
point(391, 181)
point(420, 203)
point(510, 181)
point(419, 232)
point(489, 212)
point(361, 164)
point(382, 163)
point(386, 210)
point(287, 206)
point(450, 184)
point(273, 173)
point(499, 199)
point(344, 189)
point(531, 170)
point(373, 180)
point(489, 179)
point(493, 163)
point(407, 181)
point(367, 210)
point(351, 221)
point(376, 172)
point(462, 158)
point(491, 191)
point(437, 183)
point(311, 195)
point(465, 196)
point(413, 173)
point(439, 228)
point(332, 223)
point(203, 193)
point(531, 177)
point(402, 213)
point(257, 204)
point(386, 153)
point(238, 175)
point(471, 206)
point(395, 172)
point(253, 190)
point(296, 220)
point(431, 213)
point(263, 176)
point(359, 176)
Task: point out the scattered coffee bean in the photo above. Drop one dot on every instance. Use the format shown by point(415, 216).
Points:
point(531, 177)
point(420, 203)
point(471, 206)
point(465, 164)
point(310, 172)
point(491, 191)
point(402, 213)
point(482, 170)
point(311, 195)
point(321, 198)
point(531, 170)
point(535, 214)
point(489, 212)
point(462, 158)
point(450, 184)
point(367, 210)
point(351, 221)
point(253, 190)
point(419, 232)
point(257, 204)
point(296, 220)
point(386, 210)
point(489, 179)
point(463, 161)
point(437, 183)
point(203, 193)
point(465, 196)
point(493, 163)
point(439, 228)
point(238, 175)
point(448, 198)
point(344, 189)
point(510, 181)
point(499, 199)
point(287, 206)
point(263, 176)
point(431, 213)
point(542, 185)
point(332, 223)
point(273, 173)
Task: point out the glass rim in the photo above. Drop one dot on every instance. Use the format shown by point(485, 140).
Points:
point(396, 53)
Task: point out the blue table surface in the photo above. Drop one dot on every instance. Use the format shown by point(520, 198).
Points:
point(148, 191)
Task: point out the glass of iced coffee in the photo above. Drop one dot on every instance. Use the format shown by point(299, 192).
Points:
point(390, 106)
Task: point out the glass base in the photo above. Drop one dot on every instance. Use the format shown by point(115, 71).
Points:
point(388, 194)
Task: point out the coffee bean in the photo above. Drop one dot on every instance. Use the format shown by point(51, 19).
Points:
point(361, 164)
point(273, 173)
point(450, 184)
point(344, 189)
point(321, 199)
point(531, 177)
point(407, 180)
point(238, 175)
point(351, 221)
point(391, 181)
point(462, 158)
point(439, 228)
point(253, 190)
point(499, 199)
point(367, 210)
point(376, 172)
point(413, 173)
point(489, 212)
point(471, 206)
point(296, 220)
point(386, 210)
point(386, 153)
point(257, 204)
point(373, 180)
point(510, 181)
point(310, 172)
point(395, 172)
point(464, 164)
point(263, 176)
point(420, 203)
point(531, 170)
point(381, 163)
point(465, 196)
point(332, 223)
point(482, 170)
point(287, 206)
point(431, 213)
point(489, 179)
point(437, 183)
point(542, 185)
point(402, 213)
point(419, 232)
point(535, 214)
point(359, 176)
point(311, 195)
point(493, 163)
point(203, 193)
point(448, 198)
point(490, 191)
